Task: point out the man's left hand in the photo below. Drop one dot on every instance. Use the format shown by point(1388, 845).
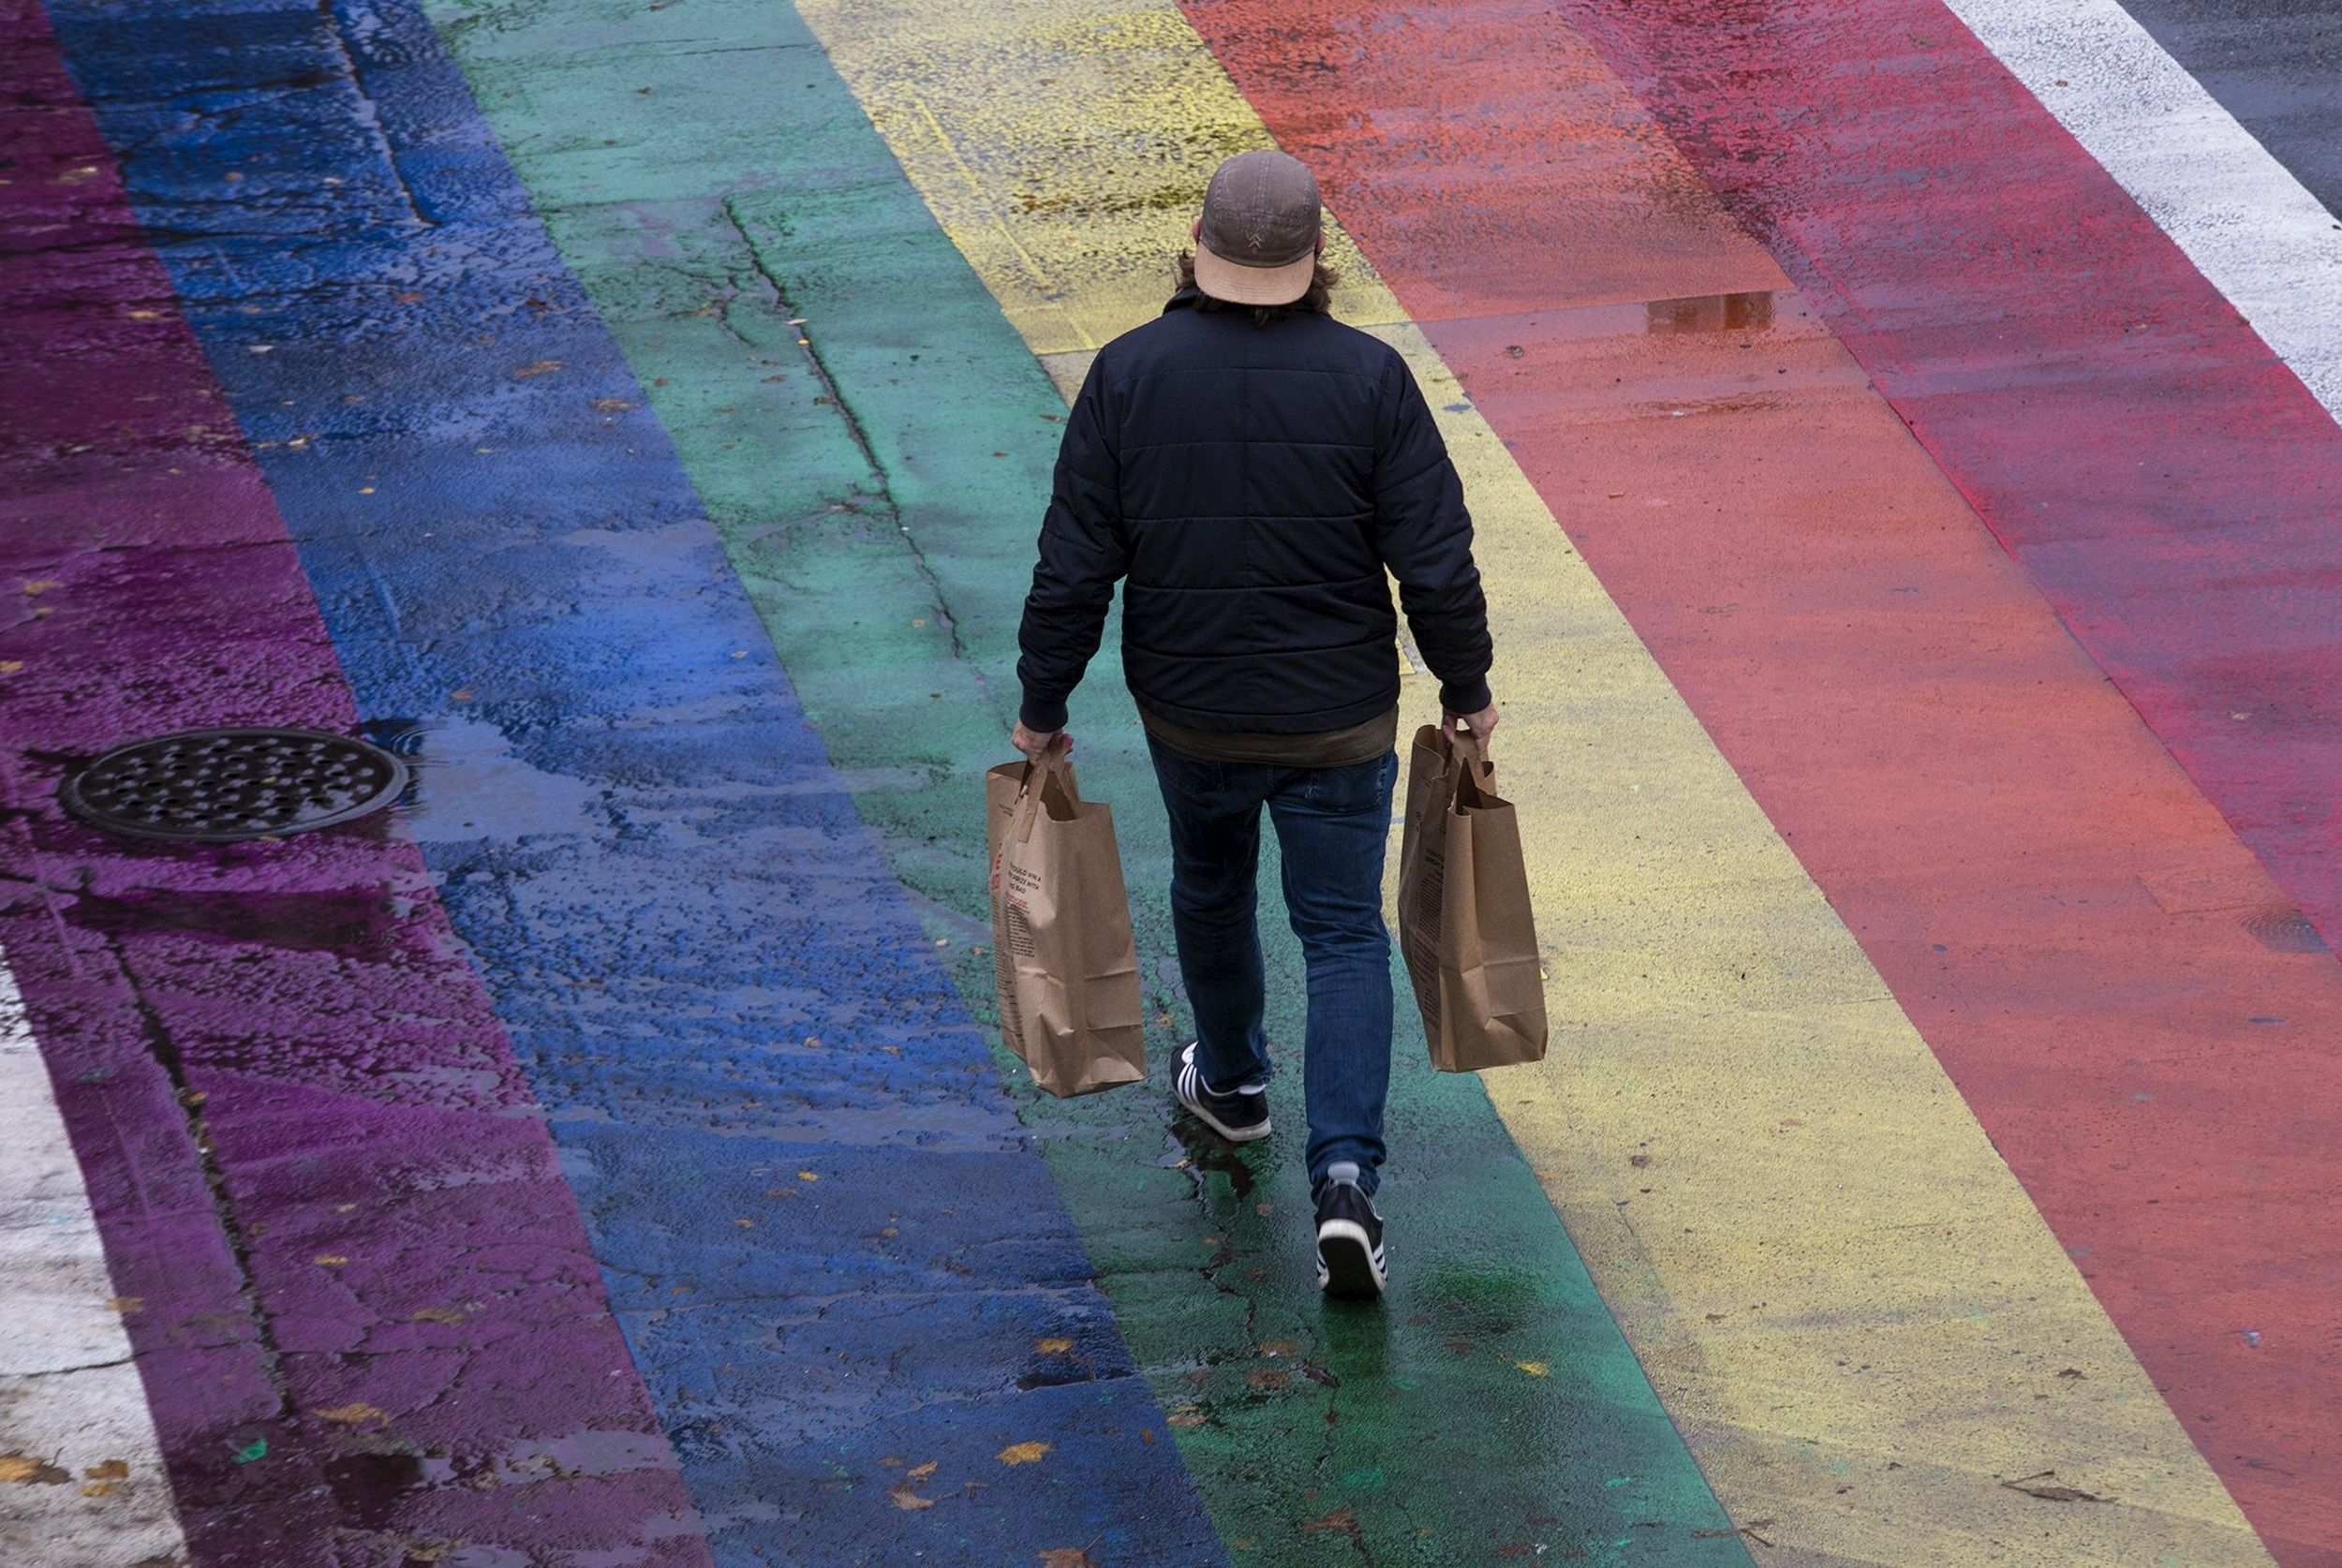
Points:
point(1481, 725)
point(1037, 744)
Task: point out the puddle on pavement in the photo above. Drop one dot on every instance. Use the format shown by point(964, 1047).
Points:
point(1208, 1152)
point(371, 1486)
point(1751, 312)
point(1711, 313)
point(363, 925)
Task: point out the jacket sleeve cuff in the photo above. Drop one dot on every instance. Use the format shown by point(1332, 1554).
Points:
point(1458, 697)
point(1044, 715)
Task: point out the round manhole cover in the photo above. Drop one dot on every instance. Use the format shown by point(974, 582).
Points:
point(213, 786)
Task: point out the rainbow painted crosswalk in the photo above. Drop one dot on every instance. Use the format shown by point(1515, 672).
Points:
point(1902, 439)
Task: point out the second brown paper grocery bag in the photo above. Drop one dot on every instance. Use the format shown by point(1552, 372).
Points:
point(1066, 966)
point(1465, 927)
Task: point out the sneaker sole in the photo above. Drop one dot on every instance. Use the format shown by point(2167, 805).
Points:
point(1194, 1107)
point(1347, 1265)
point(1233, 1134)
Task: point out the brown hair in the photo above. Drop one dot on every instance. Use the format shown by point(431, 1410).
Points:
point(1318, 297)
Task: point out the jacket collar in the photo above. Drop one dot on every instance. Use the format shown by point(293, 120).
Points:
point(1185, 300)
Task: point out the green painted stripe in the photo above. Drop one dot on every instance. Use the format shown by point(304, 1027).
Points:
point(878, 486)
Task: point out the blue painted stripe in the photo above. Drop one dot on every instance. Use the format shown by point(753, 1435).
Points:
point(833, 1259)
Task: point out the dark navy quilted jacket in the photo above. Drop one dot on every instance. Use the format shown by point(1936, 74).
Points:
point(1252, 483)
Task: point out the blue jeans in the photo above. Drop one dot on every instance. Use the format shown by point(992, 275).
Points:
point(1332, 824)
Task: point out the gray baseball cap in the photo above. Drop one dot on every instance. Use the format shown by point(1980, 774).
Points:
point(1261, 221)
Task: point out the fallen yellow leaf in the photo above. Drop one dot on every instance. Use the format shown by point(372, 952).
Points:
point(353, 1415)
point(808, 1176)
point(42, 585)
point(543, 367)
point(903, 1497)
point(330, 1260)
point(127, 1304)
point(920, 1472)
point(24, 1467)
point(10, 666)
point(1052, 1346)
point(110, 1469)
point(1534, 1369)
point(100, 1489)
point(439, 1314)
point(1022, 1453)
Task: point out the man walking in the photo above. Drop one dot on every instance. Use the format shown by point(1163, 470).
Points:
point(1252, 466)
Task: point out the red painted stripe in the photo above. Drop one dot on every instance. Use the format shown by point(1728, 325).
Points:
point(2111, 976)
point(2167, 481)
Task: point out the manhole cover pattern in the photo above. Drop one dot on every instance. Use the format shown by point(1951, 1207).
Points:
point(219, 785)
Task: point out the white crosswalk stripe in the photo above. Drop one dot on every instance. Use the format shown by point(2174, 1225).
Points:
point(2239, 214)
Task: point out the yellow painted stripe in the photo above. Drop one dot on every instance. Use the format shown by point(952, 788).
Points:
point(1840, 1292)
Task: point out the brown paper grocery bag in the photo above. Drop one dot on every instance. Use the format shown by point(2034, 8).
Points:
point(1465, 927)
point(1067, 969)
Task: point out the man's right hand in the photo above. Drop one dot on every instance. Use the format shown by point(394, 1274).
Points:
point(1481, 724)
point(1036, 745)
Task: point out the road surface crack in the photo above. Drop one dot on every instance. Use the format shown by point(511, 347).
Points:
point(859, 432)
point(166, 1053)
point(367, 114)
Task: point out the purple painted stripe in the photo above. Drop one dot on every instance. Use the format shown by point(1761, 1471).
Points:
point(313, 1162)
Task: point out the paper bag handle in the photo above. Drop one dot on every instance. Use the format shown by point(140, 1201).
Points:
point(1469, 747)
point(1052, 769)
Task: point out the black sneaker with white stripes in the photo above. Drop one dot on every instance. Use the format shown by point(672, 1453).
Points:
point(1350, 1258)
point(1239, 1116)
